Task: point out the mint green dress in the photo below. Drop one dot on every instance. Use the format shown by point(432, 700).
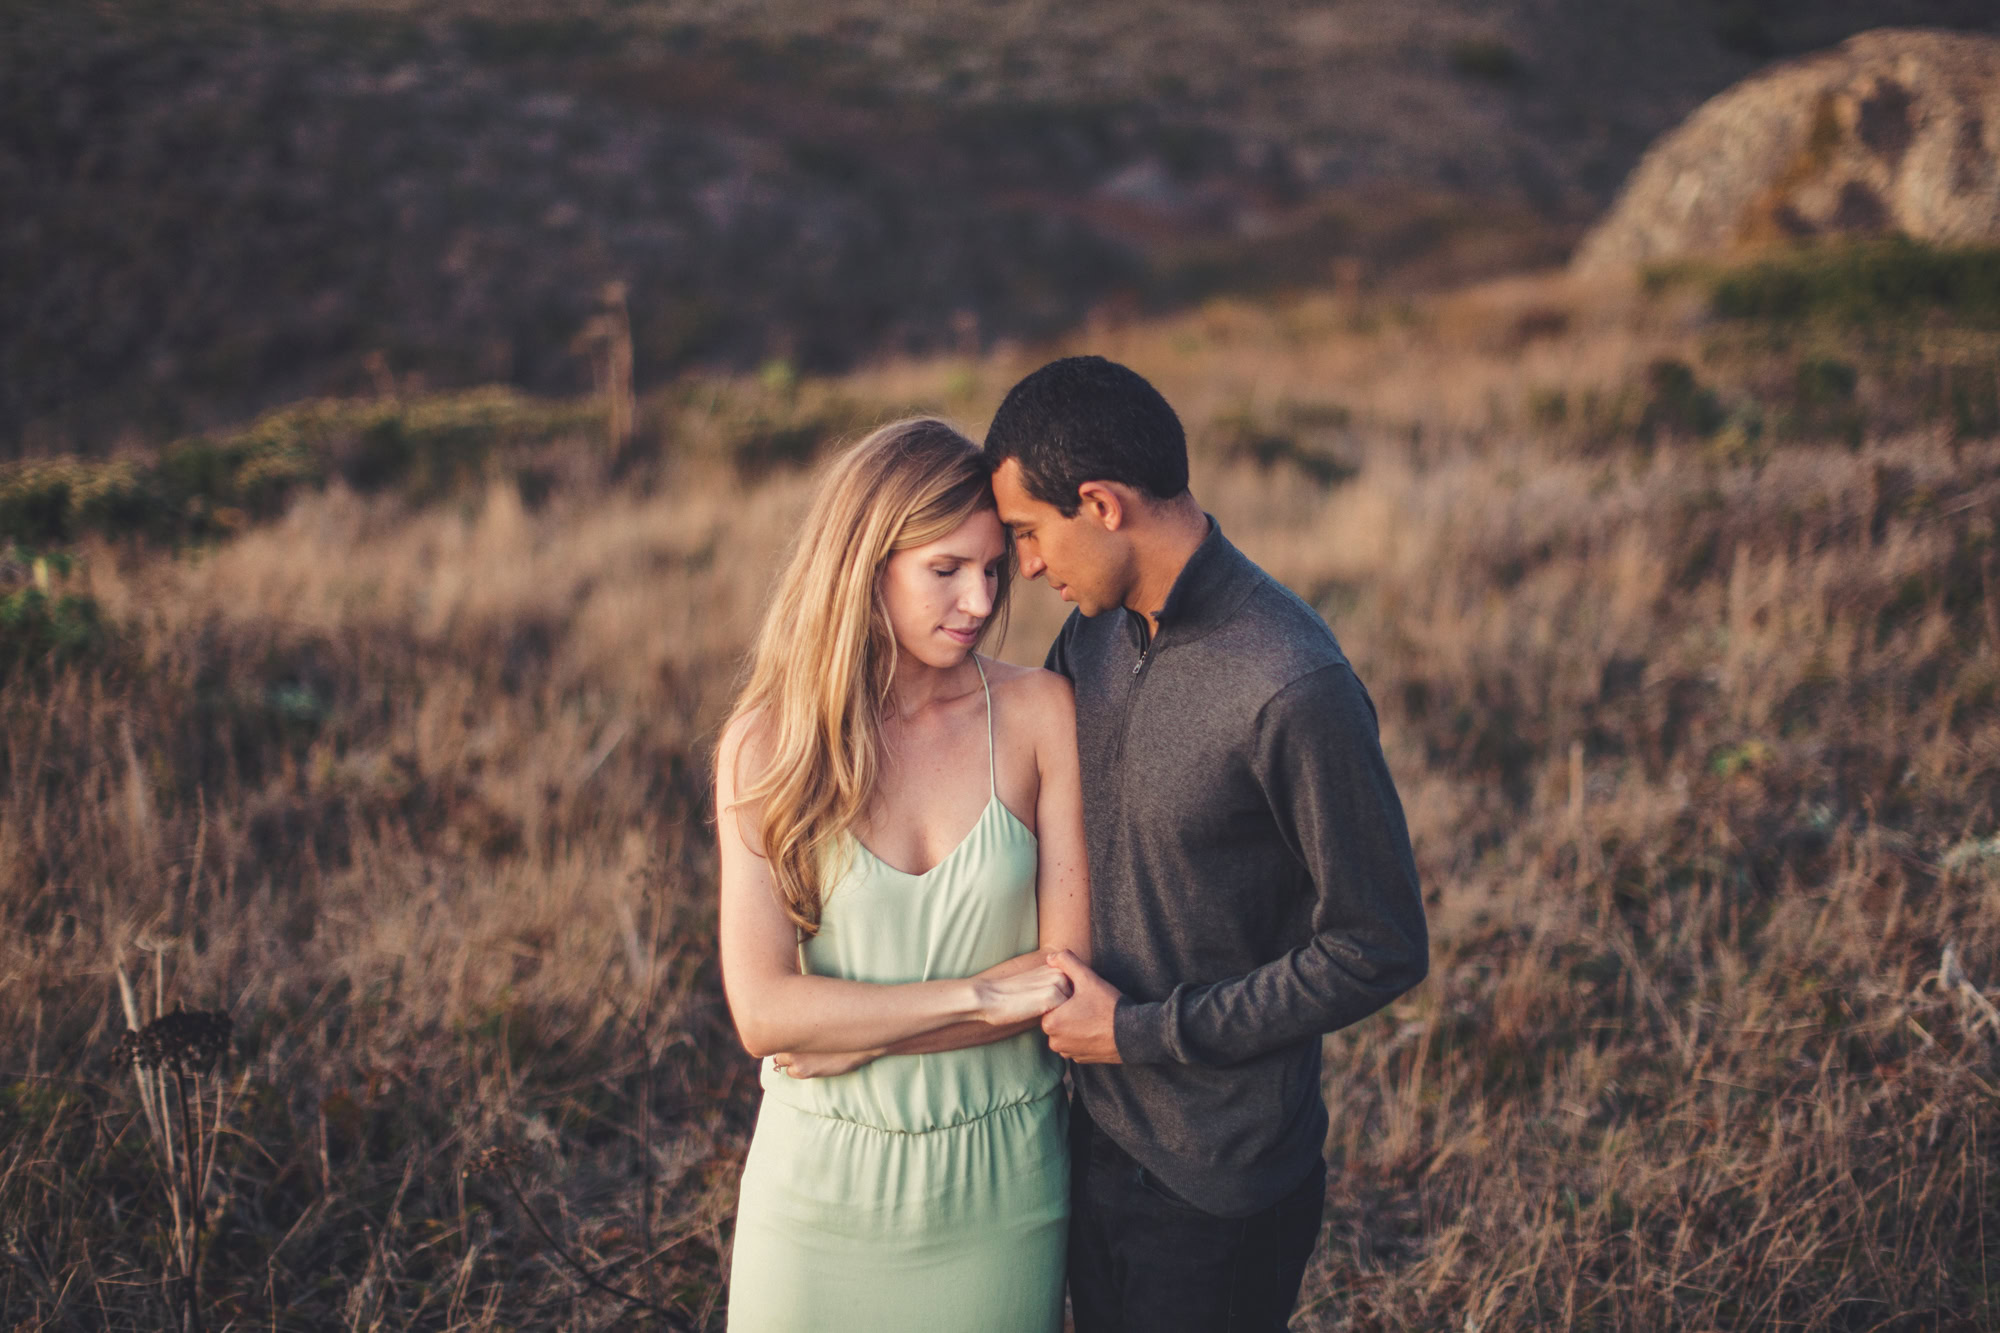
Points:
point(927, 1193)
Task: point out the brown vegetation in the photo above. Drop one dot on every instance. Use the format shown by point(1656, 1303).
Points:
point(1685, 636)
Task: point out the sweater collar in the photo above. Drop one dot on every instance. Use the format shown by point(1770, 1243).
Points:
point(1209, 587)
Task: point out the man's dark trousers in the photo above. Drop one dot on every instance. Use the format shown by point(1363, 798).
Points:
point(1143, 1260)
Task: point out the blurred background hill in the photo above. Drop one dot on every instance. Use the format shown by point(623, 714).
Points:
point(215, 207)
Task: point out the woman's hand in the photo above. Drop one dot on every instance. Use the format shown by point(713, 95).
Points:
point(822, 1064)
point(1020, 997)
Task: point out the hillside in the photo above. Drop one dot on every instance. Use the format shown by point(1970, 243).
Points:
point(215, 208)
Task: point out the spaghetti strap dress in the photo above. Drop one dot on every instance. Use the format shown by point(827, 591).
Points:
point(927, 1193)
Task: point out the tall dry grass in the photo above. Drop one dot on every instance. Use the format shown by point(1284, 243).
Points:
point(1699, 740)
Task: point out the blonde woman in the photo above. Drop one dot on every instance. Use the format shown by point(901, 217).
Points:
point(901, 841)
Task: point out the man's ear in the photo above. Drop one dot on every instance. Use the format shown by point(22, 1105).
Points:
point(1102, 503)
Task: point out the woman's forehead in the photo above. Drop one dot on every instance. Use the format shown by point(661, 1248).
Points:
point(980, 536)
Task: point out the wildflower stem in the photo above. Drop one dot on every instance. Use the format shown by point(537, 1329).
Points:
point(191, 1241)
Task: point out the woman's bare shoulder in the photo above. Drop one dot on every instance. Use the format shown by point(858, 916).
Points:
point(744, 750)
point(1041, 701)
point(1030, 681)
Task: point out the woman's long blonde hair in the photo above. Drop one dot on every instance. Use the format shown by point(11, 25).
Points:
point(825, 657)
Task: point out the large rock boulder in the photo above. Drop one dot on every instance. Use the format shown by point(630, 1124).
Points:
point(1895, 130)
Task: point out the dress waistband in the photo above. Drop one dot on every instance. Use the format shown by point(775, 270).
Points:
point(1055, 1091)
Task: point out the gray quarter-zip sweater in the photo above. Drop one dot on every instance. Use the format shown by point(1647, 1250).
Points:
point(1252, 886)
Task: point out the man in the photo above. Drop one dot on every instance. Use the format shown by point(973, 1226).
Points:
point(1252, 886)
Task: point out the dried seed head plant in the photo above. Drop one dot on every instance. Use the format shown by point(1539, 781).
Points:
point(172, 1059)
point(189, 1041)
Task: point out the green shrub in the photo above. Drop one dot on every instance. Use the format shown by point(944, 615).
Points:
point(773, 421)
point(204, 486)
point(1823, 403)
point(1824, 382)
point(1678, 403)
point(34, 500)
point(39, 631)
point(49, 501)
point(426, 446)
point(1861, 282)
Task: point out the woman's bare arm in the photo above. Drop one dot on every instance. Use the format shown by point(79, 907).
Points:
point(1062, 882)
point(779, 1008)
point(961, 1036)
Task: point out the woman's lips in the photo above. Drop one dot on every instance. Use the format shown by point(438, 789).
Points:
point(964, 636)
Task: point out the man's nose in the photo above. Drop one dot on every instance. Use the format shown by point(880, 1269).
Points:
point(1032, 566)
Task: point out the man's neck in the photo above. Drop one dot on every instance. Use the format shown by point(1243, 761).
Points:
point(1163, 547)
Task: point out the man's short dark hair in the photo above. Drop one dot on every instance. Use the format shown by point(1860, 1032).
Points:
point(1084, 418)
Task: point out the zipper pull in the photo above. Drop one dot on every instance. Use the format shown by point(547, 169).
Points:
point(1140, 665)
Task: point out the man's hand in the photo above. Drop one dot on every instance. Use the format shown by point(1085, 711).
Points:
point(1080, 1028)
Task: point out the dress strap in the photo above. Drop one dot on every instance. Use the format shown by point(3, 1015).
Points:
point(992, 760)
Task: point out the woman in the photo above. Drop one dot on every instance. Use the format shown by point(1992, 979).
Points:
point(901, 838)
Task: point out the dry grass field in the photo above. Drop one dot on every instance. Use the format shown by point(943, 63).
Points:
point(1679, 605)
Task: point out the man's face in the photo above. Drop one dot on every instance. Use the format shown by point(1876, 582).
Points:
point(1083, 560)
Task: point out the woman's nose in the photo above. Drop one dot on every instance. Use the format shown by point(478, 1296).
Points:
point(977, 599)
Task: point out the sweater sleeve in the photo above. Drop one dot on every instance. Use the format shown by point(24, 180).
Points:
point(1317, 754)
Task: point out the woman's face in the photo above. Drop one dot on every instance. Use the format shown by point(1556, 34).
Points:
point(939, 595)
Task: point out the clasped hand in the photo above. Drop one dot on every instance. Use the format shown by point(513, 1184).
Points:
point(1082, 1028)
point(1023, 997)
